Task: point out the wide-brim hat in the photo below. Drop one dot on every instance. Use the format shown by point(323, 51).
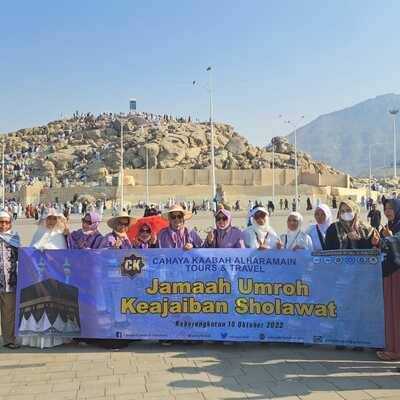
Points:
point(155, 222)
point(178, 208)
point(112, 222)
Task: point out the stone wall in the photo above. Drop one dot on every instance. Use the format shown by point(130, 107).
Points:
point(177, 176)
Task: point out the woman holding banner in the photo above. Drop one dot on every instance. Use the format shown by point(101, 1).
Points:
point(260, 235)
point(225, 235)
point(295, 238)
point(348, 232)
point(391, 281)
point(317, 232)
point(51, 232)
point(177, 235)
point(118, 238)
point(88, 237)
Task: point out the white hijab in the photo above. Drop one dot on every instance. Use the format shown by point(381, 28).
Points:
point(50, 239)
point(293, 235)
point(261, 230)
point(328, 217)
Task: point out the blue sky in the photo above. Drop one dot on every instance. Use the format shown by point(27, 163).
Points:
point(268, 57)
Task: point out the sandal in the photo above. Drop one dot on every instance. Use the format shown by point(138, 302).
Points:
point(11, 346)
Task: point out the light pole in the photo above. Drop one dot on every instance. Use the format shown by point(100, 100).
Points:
point(147, 174)
point(273, 173)
point(394, 112)
point(3, 174)
point(370, 162)
point(122, 165)
point(296, 172)
point(210, 91)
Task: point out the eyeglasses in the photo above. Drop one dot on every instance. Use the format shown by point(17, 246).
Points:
point(86, 221)
point(176, 216)
point(221, 219)
point(5, 222)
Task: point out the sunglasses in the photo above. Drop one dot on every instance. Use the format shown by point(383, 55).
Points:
point(221, 219)
point(87, 221)
point(5, 222)
point(145, 230)
point(123, 223)
point(176, 216)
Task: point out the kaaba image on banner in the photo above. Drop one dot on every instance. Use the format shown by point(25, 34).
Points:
point(49, 307)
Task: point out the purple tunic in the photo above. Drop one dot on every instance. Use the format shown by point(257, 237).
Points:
point(229, 238)
point(145, 245)
point(171, 238)
point(79, 240)
point(110, 239)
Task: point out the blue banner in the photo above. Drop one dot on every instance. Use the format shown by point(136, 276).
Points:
point(203, 294)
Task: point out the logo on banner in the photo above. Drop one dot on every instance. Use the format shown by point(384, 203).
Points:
point(132, 265)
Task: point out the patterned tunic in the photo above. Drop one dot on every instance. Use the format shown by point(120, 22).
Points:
point(8, 267)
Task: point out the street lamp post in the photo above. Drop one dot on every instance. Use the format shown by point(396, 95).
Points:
point(122, 165)
point(394, 112)
point(273, 173)
point(296, 172)
point(210, 91)
point(3, 174)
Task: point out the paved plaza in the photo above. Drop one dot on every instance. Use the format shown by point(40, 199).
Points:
point(206, 371)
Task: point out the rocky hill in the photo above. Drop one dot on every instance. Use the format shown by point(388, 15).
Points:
point(86, 149)
point(342, 138)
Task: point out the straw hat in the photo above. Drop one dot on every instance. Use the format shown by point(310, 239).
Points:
point(112, 222)
point(178, 208)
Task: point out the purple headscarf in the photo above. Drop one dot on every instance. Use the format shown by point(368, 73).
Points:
point(95, 218)
point(227, 214)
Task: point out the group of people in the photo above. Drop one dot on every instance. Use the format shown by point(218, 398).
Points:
point(346, 232)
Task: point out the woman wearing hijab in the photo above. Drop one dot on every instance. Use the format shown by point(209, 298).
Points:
point(259, 235)
point(391, 281)
point(9, 243)
point(118, 238)
point(295, 238)
point(146, 238)
point(349, 232)
point(177, 235)
point(51, 232)
point(225, 235)
point(317, 232)
point(88, 237)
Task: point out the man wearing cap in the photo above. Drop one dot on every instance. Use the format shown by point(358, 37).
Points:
point(9, 243)
point(118, 238)
point(177, 235)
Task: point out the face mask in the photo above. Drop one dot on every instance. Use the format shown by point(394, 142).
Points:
point(347, 216)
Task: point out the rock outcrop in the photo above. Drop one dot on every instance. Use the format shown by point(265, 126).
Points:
point(87, 149)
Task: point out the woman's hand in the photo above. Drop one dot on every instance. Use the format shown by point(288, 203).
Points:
point(188, 246)
point(375, 238)
point(353, 236)
point(135, 243)
point(210, 237)
point(153, 238)
point(118, 243)
point(279, 245)
point(386, 231)
point(263, 246)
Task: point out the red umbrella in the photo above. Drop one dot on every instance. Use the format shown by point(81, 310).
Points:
point(155, 222)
